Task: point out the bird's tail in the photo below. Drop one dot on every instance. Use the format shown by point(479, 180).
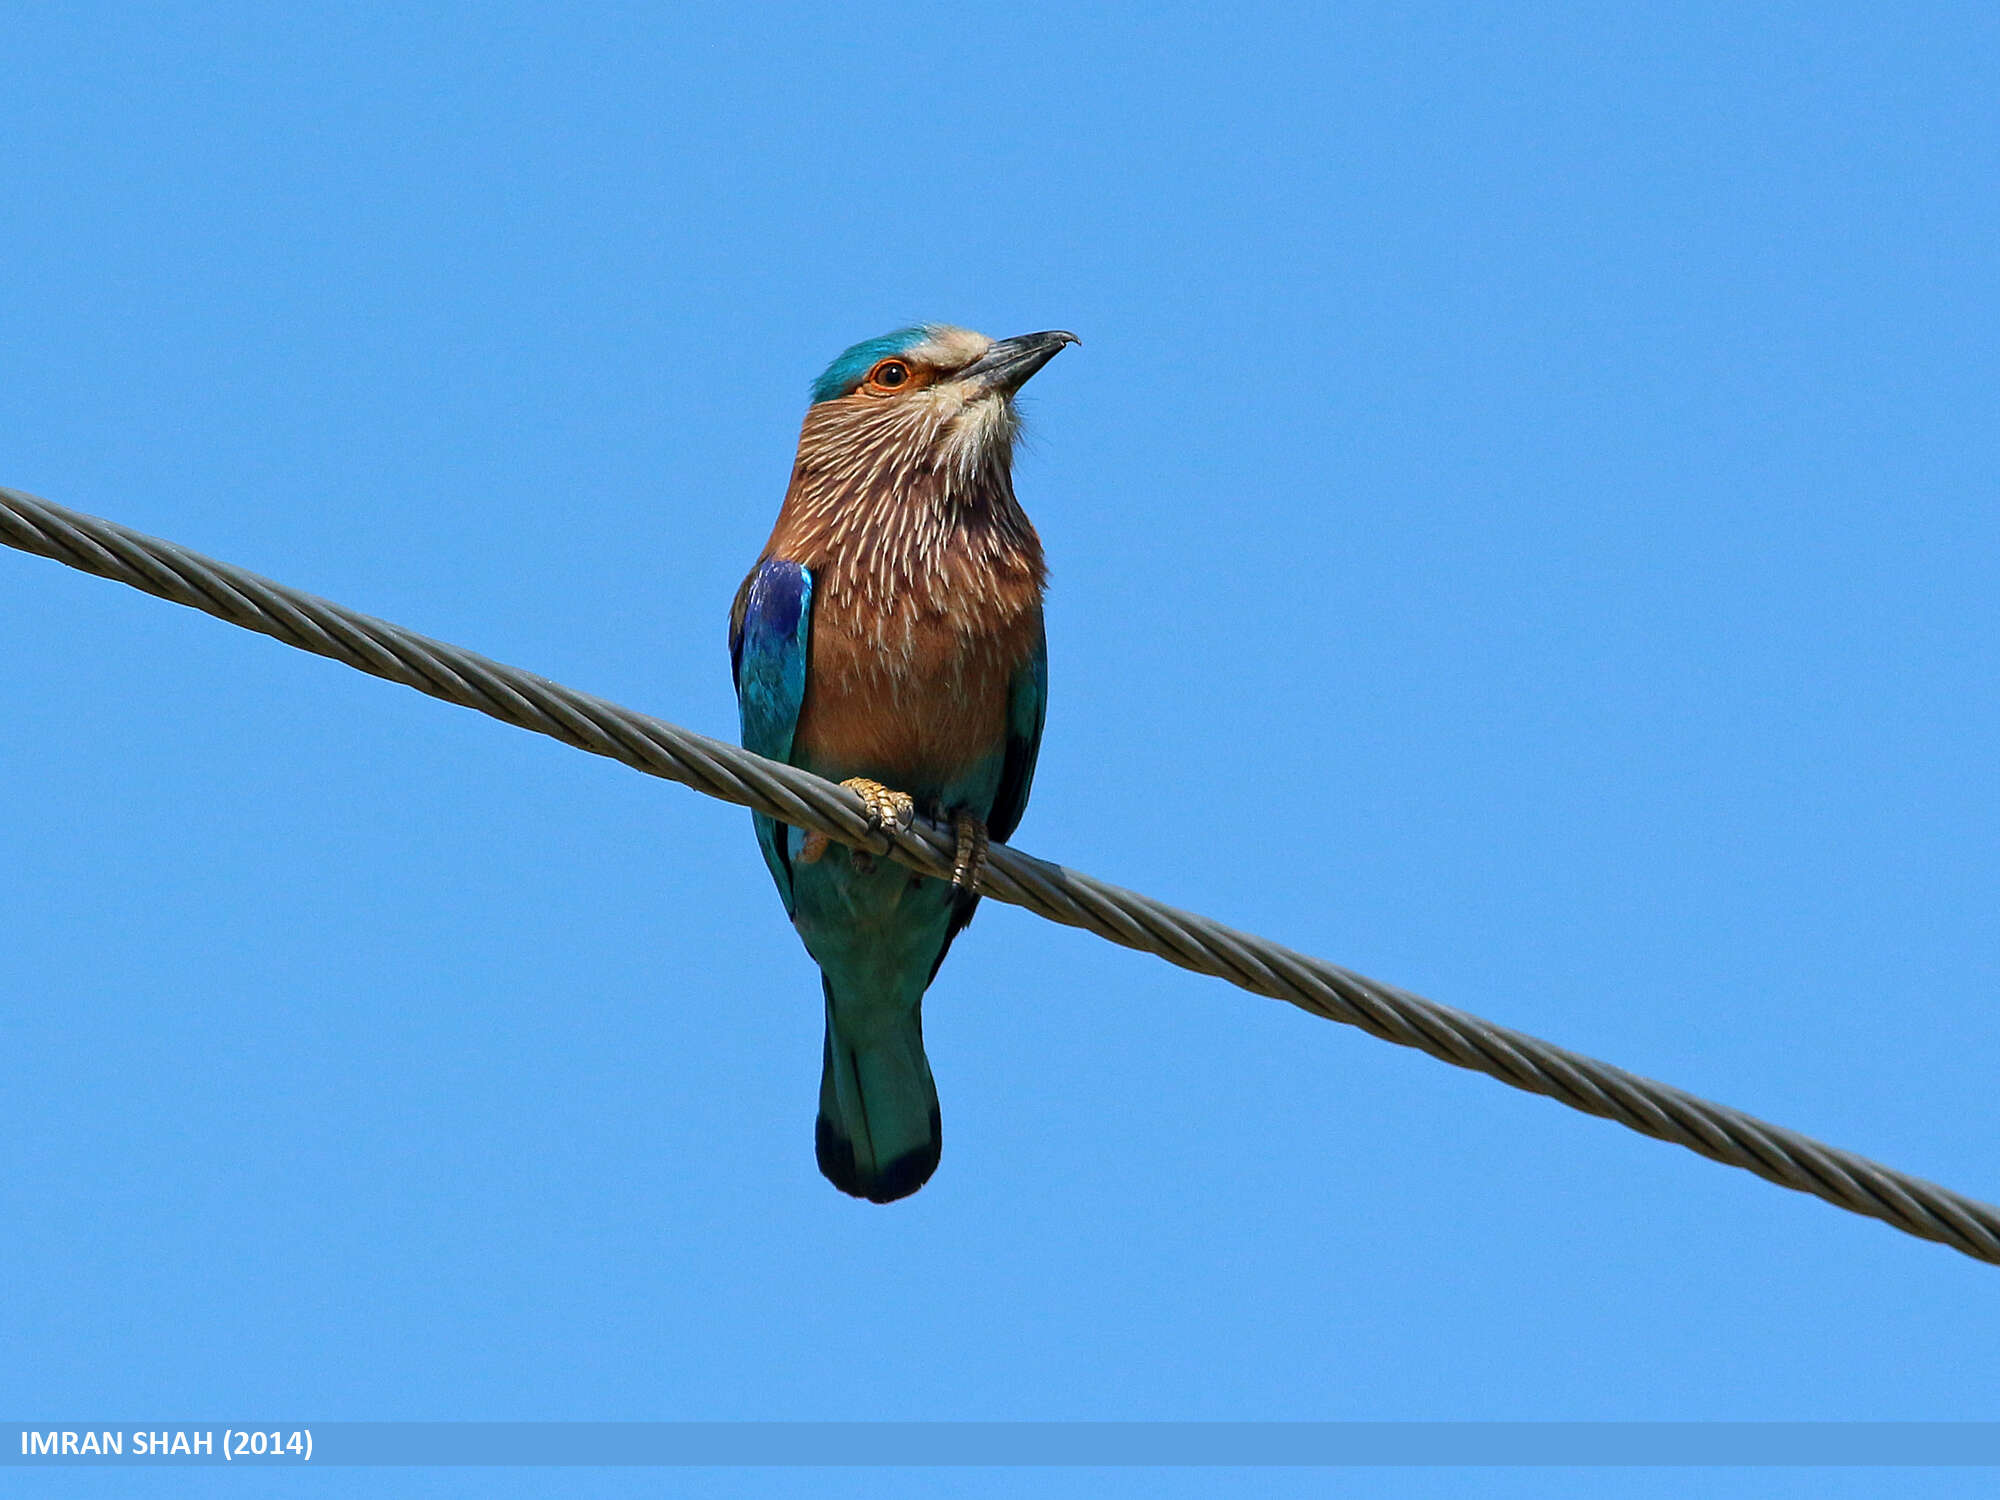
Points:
point(879, 1136)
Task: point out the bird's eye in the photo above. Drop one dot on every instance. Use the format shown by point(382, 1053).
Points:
point(890, 374)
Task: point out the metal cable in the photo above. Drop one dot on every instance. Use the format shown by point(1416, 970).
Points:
point(1134, 921)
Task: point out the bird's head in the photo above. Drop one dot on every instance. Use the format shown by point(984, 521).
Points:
point(930, 402)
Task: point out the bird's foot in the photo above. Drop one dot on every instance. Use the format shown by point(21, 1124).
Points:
point(887, 809)
point(971, 856)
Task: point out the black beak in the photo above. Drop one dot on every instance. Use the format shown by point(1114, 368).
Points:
point(1008, 364)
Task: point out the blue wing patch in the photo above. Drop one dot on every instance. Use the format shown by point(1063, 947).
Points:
point(1027, 711)
point(770, 638)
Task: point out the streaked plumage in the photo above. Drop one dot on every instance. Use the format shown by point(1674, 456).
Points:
point(892, 630)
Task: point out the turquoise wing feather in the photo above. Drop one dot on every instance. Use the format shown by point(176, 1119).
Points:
point(1027, 711)
point(770, 639)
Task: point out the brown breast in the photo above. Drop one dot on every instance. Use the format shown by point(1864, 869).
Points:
point(910, 693)
point(927, 593)
point(914, 646)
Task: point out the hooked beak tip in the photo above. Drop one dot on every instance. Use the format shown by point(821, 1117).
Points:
point(1008, 365)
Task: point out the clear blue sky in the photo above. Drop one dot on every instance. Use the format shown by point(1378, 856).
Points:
point(1523, 526)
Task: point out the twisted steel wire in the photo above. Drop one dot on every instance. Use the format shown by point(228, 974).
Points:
point(1193, 942)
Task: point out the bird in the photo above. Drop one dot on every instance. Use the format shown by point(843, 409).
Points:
point(890, 637)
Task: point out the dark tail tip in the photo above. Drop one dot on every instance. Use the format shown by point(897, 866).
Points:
point(898, 1179)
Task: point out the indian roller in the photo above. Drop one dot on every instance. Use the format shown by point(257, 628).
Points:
point(890, 638)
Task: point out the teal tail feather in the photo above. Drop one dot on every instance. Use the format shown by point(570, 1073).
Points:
point(879, 1135)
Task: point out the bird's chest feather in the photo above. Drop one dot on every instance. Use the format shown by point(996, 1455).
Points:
point(913, 686)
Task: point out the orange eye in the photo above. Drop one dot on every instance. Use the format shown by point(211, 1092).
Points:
point(890, 374)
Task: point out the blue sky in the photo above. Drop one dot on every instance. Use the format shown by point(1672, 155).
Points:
point(1522, 522)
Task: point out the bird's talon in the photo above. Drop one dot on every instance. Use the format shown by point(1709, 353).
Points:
point(887, 808)
point(970, 858)
point(812, 848)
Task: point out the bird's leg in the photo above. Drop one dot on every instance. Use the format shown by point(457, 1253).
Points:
point(971, 856)
point(887, 809)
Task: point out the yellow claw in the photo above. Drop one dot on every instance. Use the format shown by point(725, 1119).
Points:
point(887, 808)
point(971, 855)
